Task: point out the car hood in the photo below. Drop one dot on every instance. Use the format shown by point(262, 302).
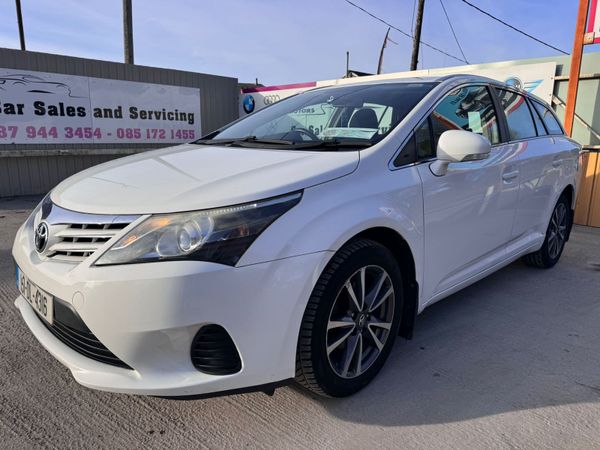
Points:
point(190, 177)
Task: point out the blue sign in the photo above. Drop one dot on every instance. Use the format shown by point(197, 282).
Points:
point(248, 104)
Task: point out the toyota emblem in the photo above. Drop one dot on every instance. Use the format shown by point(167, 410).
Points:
point(41, 237)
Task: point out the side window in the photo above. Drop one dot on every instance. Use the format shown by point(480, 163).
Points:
point(418, 146)
point(467, 108)
point(552, 124)
point(539, 125)
point(518, 115)
point(408, 153)
point(425, 148)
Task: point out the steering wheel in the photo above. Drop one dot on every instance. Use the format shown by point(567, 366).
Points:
point(310, 134)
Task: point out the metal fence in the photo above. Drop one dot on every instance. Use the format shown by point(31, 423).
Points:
point(27, 169)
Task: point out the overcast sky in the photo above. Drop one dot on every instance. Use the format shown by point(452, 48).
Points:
point(279, 41)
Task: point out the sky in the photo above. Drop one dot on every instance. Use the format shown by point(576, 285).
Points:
point(279, 41)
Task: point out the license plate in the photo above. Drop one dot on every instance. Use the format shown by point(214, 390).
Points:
point(40, 300)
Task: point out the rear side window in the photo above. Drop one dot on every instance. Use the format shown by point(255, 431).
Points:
point(539, 125)
point(552, 124)
point(518, 115)
point(468, 108)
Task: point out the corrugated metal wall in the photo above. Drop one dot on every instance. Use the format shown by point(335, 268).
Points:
point(36, 168)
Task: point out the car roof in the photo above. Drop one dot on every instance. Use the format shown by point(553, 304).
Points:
point(458, 78)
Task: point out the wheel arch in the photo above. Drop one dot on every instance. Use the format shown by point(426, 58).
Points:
point(403, 254)
point(569, 192)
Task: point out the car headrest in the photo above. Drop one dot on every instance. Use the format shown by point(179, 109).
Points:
point(364, 118)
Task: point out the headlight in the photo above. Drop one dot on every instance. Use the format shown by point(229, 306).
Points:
point(219, 235)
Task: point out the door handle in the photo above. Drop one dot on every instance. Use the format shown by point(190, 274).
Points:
point(509, 176)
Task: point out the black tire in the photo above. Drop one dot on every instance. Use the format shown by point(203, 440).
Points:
point(314, 369)
point(549, 254)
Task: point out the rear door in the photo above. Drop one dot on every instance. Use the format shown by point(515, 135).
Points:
point(539, 164)
point(528, 140)
point(469, 212)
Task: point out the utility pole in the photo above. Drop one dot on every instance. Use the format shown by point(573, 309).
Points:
point(347, 64)
point(580, 40)
point(417, 35)
point(20, 22)
point(380, 64)
point(128, 31)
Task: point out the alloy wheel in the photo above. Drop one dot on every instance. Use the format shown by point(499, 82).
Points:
point(360, 321)
point(557, 232)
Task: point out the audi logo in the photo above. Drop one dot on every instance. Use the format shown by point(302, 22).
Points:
point(270, 99)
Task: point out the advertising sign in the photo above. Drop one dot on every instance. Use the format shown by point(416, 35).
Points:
point(50, 108)
point(594, 21)
point(253, 99)
point(535, 78)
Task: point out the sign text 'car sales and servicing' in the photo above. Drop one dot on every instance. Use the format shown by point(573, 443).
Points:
point(37, 107)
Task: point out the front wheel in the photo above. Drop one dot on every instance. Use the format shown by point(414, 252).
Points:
point(351, 320)
point(556, 237)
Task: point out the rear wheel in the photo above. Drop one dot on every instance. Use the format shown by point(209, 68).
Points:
point(556, 237)
point(351, 320)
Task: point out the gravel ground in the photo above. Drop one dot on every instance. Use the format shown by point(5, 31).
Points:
point(510, 362)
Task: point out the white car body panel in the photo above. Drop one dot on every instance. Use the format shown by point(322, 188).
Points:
point(459, 228)
point(468, 215)
point(191, 177)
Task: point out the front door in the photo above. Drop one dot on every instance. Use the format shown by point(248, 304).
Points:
point(469, 212)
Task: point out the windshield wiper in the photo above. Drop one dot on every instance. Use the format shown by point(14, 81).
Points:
point(334, 144)
point(246, 139)
point(254, 142)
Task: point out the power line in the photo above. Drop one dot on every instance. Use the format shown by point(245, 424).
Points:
point(453, 33)
point(403, 32)
point(514, 28)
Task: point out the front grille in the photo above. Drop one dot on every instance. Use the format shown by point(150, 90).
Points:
point(73, 332)
point(77, 241)
point(214, 352)
point(73, 236)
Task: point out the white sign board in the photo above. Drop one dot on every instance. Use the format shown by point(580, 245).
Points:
point(253, 99)
point(594, 21)
point(537, 79)
point(50, 108)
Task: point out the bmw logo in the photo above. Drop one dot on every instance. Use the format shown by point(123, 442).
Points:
point(248, 104)
point(514, 82)
point(41, 237)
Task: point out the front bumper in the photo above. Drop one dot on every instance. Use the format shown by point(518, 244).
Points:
point(148, 314)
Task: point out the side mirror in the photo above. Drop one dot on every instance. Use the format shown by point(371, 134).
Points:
point(459, 146)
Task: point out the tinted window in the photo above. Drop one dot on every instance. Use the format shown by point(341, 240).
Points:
point(408, 153)
point(518, 115)
point(425, 148)
point(552, 124)
point(467, 108)
point(539, 125)
point(418, 146)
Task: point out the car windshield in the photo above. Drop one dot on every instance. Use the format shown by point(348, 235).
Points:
point(346, 117)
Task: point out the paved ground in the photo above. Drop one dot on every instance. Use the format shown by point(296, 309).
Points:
point(511, 362)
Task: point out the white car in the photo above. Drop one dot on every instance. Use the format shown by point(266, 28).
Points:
point(296, 243)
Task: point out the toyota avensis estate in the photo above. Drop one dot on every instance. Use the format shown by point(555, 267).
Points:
point(295, 243)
